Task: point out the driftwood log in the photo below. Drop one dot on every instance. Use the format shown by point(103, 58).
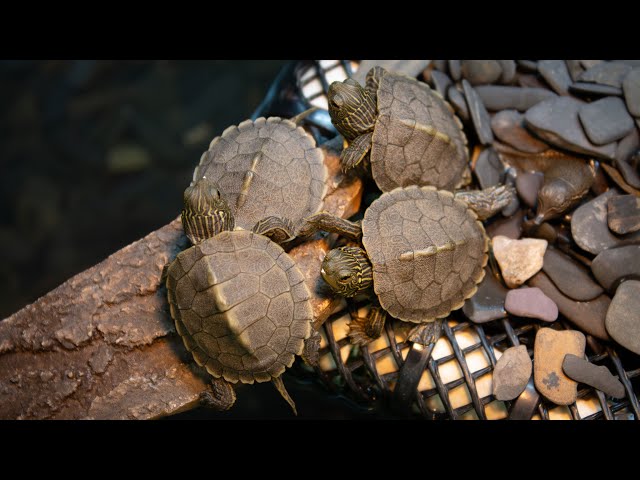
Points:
point(102, 345)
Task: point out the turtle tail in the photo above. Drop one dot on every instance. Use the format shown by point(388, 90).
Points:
point(279, 384)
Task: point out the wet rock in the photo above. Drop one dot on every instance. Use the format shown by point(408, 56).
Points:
point(528, 65)
point(587, 316)
point(489, 169)
point(508, 71)
point(631, 89)
point(623, 214)
point(594, 89)
point(528, 184)
point(510, 227)
point(556, 74)
point(606, 120)
point(488, 302)
point(441, 82)
point(618, 179)
point(519, 260)
point(526, 80)
point(623, 317)
point(589, 226)
point(587, 64)
point(479, 72)
point(512, 373)
point(497, 97)
point(531, 303)
point(458, 103)
point(606, 73)
point(574, 68)
point(629, 174)
point(479, 114)
point(550, 348)
point(599, 377)
point(615, 264)
point(455, 70)
point(571, 277)
point(556, 121)
point(626, 148)
point(508, 126)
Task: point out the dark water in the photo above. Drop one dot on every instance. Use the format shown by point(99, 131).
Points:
point(95, 155)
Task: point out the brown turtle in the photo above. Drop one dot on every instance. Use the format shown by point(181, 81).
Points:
point(239, 302)
point(408, 131)
point(268, 170)
point(423, 249)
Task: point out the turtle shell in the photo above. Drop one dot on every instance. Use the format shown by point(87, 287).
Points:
point(427, 250)
point(241, 305)
point(417, 140)
point(266, 167)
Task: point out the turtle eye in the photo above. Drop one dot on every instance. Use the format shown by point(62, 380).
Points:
point(344, 278)
point(337, 101)
point(214, 192)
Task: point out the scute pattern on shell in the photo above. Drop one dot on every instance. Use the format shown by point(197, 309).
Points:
point(289, 180)
point(417, 139)
point(423, 287)
point(241, 305)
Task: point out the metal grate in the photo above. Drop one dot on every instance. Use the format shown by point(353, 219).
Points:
point(452, 379)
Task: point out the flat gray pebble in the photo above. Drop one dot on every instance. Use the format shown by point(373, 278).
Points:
point(479, 114)
point(503, 97)
point(556, 74)
point(589, 226)
point(458, 103)
point(512, 373)
point(556, 121)
point(508, 126)
point(623, 317)
point(606, 120)
point(481, 72)
point(570, 276)
point(623, 214)
point(599, 377)
point(631, 89)
point(615, 264)
point(606, 73)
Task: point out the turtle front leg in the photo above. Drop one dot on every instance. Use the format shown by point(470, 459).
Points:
point(328, 222)
point(426, 333)
point(311, 353)
point(489, 201)
point(353, 155)
point(365, 330)
point(278, 229)
point(221, 397)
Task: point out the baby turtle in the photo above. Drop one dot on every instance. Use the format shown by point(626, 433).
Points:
point(267, 169)
point(410, 131)
point(239, 302)
point(424, 250)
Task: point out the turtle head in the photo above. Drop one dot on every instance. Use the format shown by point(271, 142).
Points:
point(205, 212)
point(554, 198)
point(352, 108)
point(347, 270)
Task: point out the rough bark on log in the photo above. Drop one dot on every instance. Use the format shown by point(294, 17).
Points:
point(102, 344)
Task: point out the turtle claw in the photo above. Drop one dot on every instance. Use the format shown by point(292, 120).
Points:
point(311, 353)
point(221, 397)
point(365, 330)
